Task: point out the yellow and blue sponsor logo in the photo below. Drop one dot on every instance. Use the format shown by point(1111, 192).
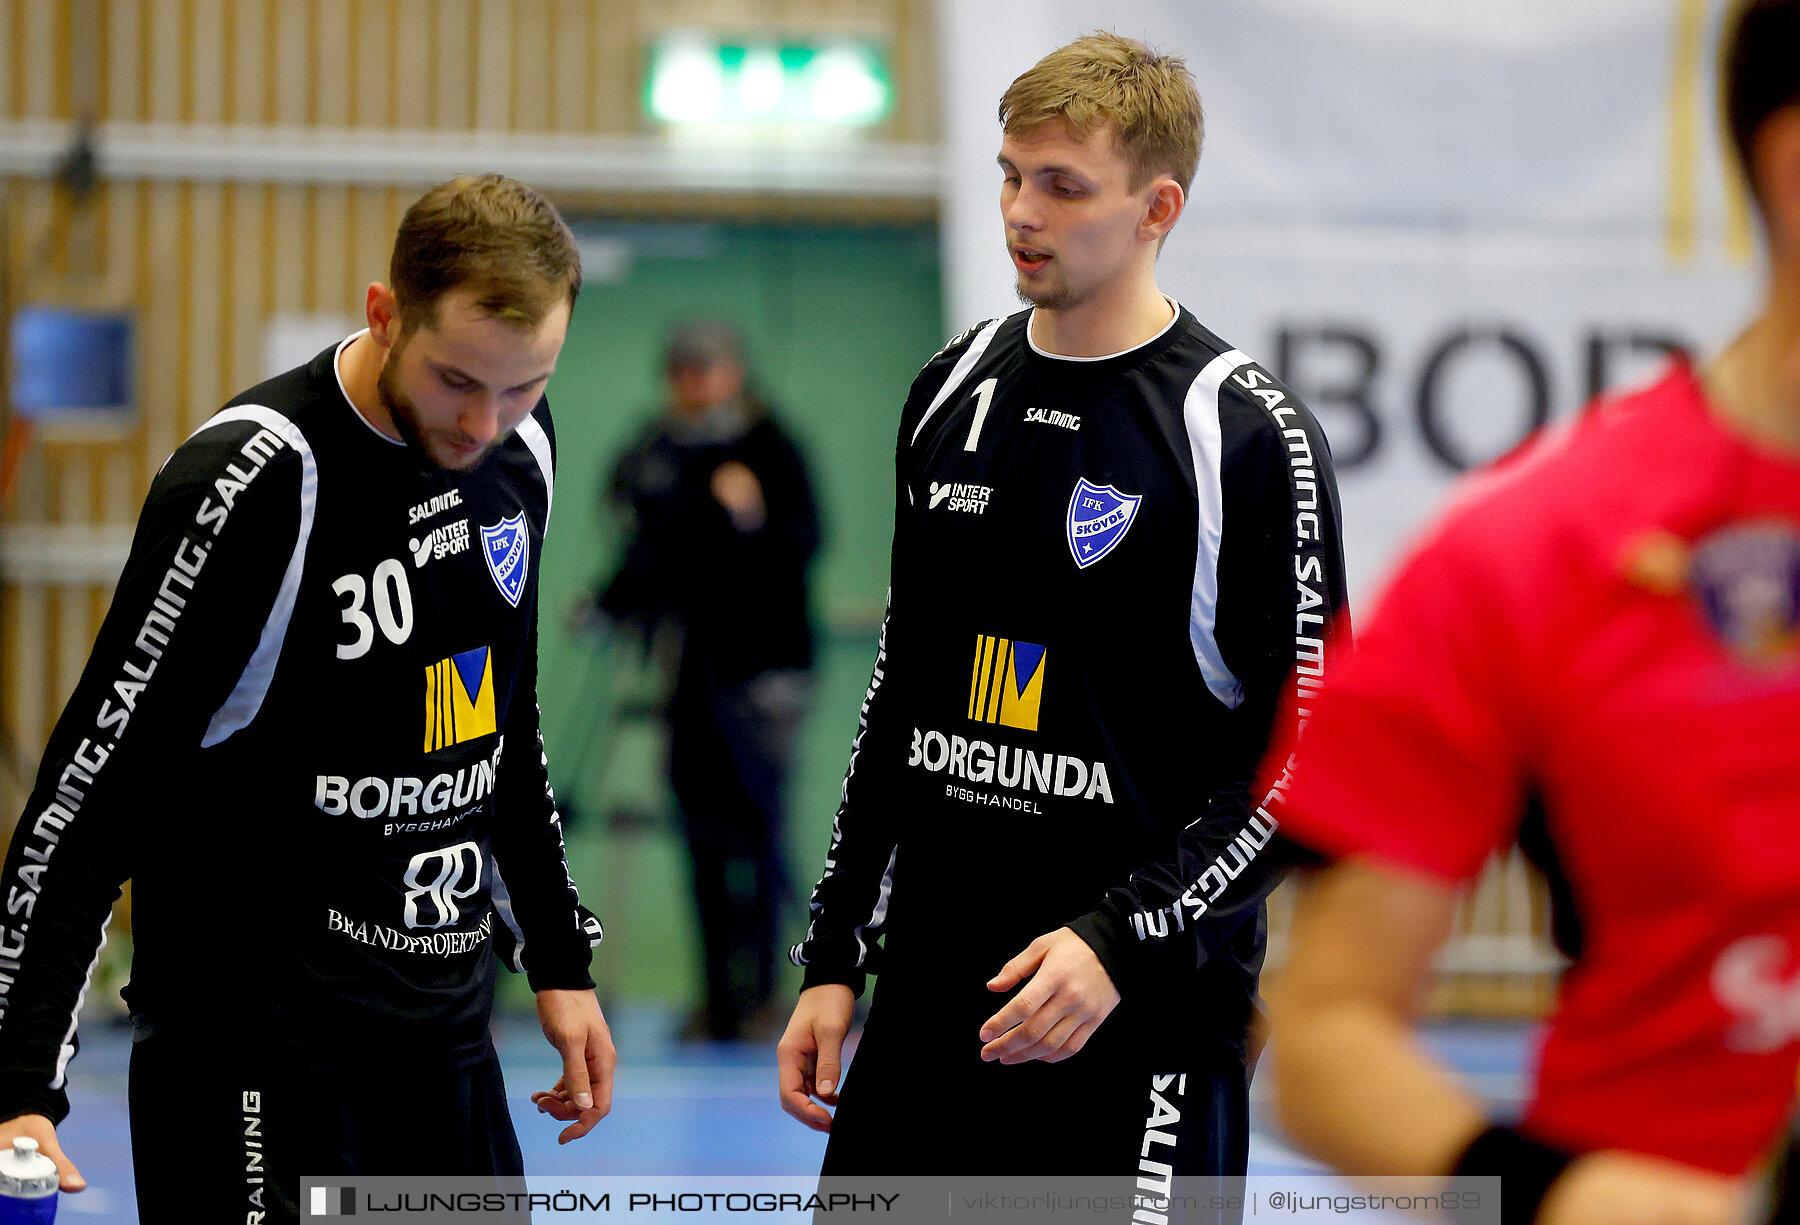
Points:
point(1006, 685)
point(459, 699)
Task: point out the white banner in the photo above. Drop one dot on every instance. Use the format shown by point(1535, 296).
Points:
point(1441, 222)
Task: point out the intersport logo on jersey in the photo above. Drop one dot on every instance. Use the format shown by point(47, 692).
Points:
point(440, 543)
point(967, 499)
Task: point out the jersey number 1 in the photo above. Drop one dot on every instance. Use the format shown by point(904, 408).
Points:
point(984, 396)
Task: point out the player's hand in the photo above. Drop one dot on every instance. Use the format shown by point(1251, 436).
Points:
point(809, 1056)
point(736, 488)
point(1055, 1013)
point(44, 1132)
point(1615, 1188)
point(582, 1095)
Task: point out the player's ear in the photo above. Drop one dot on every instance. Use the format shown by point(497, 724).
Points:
point(382, 311)
point(1163, 210)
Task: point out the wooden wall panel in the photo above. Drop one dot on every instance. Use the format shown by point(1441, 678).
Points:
point(528, 55)
point(566, 75)
point(43, 64)
point(163, 44)
point(290, 247)
point(80, 92)
point(207, 50)
point(246, 66)
point(208, 294)
point(454, 70)
point(12, 54)
point(161, 357)
point(330, 265)
point(491, 65)
point(410, 64)
point(29, 670)
point(332, 63)
point(67, 608)
point(290, 58)
point(124, 90)
point(369, 82)
point(120, 494)
point(368, 241)
point(35, 254)
point(246, 230)
point(616, 67)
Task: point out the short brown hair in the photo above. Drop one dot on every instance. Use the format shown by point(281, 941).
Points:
point(1147, 100)
point(1762, 73)
point(489, 232)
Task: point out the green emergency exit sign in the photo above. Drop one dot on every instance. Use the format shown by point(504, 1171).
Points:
point(697, 80)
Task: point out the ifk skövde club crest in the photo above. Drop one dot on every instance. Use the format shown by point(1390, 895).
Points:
point(504, 545)
point(1099, 517)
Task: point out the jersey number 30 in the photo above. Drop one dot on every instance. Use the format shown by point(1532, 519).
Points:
point(391, 599)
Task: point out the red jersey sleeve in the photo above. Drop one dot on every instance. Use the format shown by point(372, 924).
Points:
point(1415, 750)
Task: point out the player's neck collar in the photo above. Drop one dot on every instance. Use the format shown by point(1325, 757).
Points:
point(1175, 315)
point(338, 374)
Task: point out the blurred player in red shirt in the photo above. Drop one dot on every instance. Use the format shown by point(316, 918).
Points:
point(1595, 653)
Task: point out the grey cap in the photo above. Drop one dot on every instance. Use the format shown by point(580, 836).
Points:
point(702, 344)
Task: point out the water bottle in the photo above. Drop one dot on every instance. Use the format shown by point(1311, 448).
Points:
point(27, 1185)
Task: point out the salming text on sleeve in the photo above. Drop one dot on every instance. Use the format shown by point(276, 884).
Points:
point(206, 567)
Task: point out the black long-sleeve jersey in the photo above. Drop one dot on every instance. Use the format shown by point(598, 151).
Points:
point(308, 733)
point(1104, 572)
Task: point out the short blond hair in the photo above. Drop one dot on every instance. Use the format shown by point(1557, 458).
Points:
point(1146, 100)
point(493, 234)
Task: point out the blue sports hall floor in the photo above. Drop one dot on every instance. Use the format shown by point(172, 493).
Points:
point(678, 1108)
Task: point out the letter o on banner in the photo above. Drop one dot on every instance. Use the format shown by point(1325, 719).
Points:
point(1430, 408)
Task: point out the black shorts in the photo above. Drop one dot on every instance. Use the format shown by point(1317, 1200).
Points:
point(223, 1129)
point(1149, 1101)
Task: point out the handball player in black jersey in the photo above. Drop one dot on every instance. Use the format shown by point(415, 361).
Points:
point(308, 733)
point(1115, 538)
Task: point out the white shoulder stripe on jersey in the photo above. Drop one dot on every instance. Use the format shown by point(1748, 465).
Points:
point(247, 696)
point(1206, 440)
point(960, 371)
point(539, 442)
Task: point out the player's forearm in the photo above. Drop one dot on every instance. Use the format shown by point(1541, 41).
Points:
point(1176, 914)
point(1352, 1084)
point(544, 902)
point(1353, 1088)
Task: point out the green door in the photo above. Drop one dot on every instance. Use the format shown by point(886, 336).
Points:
point(837, 322)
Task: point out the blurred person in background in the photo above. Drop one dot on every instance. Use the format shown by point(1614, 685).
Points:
point(1114, 537)
point(308, 734)
point(1595, 654)
point(723, 529)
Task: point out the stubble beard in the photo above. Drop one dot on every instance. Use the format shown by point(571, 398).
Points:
point(405, 417)
point(1060, 299)
point(400, 409)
